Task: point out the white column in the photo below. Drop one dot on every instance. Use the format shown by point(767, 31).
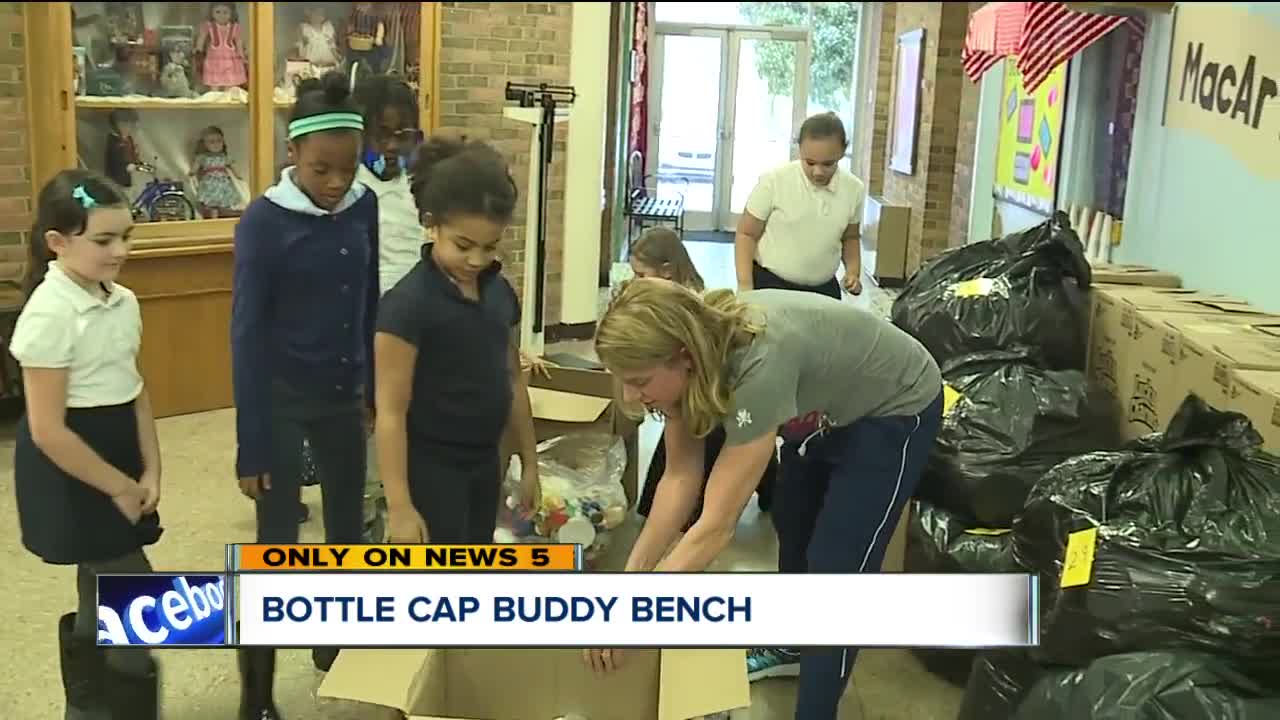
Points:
point(584, 178)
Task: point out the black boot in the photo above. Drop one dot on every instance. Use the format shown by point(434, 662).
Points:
point(134, 697)
point(257, 684)
point(83, 673)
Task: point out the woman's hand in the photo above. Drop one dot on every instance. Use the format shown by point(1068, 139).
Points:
point(603, 660)
point(150, 484)
point(406, 526)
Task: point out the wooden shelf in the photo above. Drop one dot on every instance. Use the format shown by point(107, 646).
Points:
point(89, 102)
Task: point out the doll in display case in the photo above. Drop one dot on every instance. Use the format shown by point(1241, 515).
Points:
point(122, 156)
point(174, 80)
point(318, 42)
point(366, 36)
point(222, 44)
point(217, 193)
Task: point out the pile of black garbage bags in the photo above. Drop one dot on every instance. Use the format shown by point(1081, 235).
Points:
point(1178, 615)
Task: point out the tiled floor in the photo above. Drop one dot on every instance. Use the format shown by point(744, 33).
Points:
point(202, 510)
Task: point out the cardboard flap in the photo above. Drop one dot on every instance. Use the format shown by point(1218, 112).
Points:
point(1233, 307)
point(561, 406)
point(702, 682)
point(579, 381)
point(391, 677)
point(1245, 352)
point(1263, 381)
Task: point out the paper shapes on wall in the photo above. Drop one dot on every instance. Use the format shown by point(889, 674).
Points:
point(1026, 120)
point(1022, 168)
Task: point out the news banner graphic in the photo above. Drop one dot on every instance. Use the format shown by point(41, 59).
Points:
point(523, 595)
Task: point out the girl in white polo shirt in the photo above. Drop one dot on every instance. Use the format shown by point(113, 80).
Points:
point(86, 460)
point(803, 218)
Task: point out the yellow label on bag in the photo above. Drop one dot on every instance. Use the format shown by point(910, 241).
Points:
point(950, 396)
point(987, 531)
point(978, 287)
point(1077, 566)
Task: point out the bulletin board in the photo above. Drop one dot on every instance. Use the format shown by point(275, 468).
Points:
point(1030, 139)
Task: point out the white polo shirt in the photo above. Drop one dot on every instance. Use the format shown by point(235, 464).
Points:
point(804, 223)
point(65, 326)
point(400, 233)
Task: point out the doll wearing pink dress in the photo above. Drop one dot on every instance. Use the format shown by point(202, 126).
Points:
point(224, 65)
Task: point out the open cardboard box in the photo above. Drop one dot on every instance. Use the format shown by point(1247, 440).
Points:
point(540, 684)
point(1107, 273)
point(581, 399)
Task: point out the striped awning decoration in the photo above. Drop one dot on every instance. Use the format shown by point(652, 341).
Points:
point(1042, 35)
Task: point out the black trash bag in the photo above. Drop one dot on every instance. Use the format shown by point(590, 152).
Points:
point(1150, 686)
point(998, 682)
point(941, 542)
point(938, 542)
point(1187, 554)
point(1011, 421)
point(1026, 289)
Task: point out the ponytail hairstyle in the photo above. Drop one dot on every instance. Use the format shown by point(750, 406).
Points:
point(662, 249)
point(451, 176)
point(650, 321)
point(63, 205)
point(324, 105)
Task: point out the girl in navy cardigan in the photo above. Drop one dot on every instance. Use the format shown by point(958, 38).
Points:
point(303, 306)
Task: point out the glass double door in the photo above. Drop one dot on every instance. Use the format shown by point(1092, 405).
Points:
point(726, 106)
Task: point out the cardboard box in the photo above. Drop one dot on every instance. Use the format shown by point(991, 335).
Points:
point(1154, 361)
point(499, 684)
point(1105, 335)
point(1134, 275)
point(1211, 352)
point(1256, 394)
point(1112, 327)
point(573, 400)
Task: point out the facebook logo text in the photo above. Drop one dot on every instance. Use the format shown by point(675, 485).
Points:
point(161, 609)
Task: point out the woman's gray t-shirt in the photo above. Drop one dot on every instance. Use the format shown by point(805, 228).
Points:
point(822, 363)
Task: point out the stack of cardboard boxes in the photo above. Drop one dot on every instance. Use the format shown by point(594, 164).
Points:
point(1153, 342)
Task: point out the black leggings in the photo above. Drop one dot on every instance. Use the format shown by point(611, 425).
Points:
point(336, 434)
point(133, 661)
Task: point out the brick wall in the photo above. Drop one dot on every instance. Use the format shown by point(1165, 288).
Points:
point(15, 158)
point(875, 134)
point(929, 190)
point(483, 46)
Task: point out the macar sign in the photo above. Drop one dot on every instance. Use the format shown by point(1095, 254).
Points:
point(1224, 65)
point(1220, 87)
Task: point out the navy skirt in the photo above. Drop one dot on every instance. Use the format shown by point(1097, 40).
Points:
point(65, 521)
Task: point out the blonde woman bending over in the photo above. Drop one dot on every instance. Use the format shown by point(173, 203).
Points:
point(862, 398)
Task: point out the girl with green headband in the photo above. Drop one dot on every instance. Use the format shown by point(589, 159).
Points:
point(304, 301)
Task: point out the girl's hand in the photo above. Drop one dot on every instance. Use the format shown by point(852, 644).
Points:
point(129, 502)
point(406, 526)
point(252, 487)
point(150, 484)
point(534, 365)
point(530, 486)
point(602, 660)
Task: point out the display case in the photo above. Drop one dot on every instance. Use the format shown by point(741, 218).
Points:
point(185, 104)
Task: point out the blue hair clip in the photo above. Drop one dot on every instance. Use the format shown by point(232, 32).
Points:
point(86, 200)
